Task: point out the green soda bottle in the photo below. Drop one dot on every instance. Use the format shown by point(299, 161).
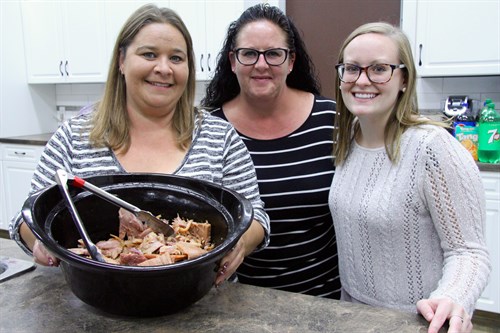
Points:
point(489, 135)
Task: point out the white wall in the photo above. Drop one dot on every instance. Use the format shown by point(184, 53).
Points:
point(24, 109)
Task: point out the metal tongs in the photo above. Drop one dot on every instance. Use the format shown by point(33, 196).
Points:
point(152, 221)
point(62, 179)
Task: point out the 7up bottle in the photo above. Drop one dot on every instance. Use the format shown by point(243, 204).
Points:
point(489, 135)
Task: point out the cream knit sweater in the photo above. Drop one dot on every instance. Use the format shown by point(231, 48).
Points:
point(414, 229)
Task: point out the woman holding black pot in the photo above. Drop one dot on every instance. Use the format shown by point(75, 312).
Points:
point(146, 123)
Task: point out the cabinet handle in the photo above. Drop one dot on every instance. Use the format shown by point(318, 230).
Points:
point(66, 68)
point(60, 68)
point(208, 63)
point(420, 55)
point(201, 63)
point(20, 153)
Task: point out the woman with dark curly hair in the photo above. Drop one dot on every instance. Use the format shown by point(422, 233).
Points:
point(265, 85)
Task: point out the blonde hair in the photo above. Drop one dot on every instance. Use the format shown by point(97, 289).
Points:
point(405, 113)
point(110, 120)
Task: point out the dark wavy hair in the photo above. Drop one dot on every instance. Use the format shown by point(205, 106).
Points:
point(224, 85)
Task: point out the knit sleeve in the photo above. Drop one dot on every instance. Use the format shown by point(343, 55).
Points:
point(454, 193)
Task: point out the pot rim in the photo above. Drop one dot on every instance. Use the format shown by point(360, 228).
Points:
point(154, 180)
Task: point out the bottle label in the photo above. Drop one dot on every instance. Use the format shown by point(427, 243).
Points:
point(468, 136)
point(489, 136)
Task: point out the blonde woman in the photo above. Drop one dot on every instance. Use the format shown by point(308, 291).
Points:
point(407, 200)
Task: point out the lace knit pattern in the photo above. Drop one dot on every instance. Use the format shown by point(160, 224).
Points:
point(412, 230)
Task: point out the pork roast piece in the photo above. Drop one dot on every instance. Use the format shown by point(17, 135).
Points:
point(138, 245)
point(130, 225)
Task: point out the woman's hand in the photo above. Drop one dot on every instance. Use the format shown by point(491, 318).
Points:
point(245, 245)
point(437, 311)
point(231, 262)
point(43, 256)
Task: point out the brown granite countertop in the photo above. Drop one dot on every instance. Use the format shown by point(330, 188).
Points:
point(36, 139)
point(41, 301)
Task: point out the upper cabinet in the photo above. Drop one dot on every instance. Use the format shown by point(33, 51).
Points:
point(453, 38)
point(72, 41)
point(64, 41)
point(207, 22)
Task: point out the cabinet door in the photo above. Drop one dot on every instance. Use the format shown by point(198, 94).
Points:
point(219, 14)
point(84, 25)
point(207, 22)
point(17, 179)
point(116, 14)
point(490, 299)
point(456, 38)
point(192, 13)
point(43, 41)
point(18, 165)
point(64, 41)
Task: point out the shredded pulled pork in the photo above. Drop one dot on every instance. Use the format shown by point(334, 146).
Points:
point(137, 245)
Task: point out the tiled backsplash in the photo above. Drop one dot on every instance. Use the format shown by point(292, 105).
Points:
point(432, 92)
point(80, 95)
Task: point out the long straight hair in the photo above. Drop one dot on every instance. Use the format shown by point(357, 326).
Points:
point(110, 121)
point(405, 113)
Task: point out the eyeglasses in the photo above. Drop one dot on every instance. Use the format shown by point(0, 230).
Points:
point(273, 57)
point(376, 73)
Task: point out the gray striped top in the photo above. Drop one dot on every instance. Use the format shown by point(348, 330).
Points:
point(217, 154)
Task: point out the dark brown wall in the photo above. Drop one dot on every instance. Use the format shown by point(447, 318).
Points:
point(326, 23)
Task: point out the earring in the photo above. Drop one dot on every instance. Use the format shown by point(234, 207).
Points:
point(404, 89)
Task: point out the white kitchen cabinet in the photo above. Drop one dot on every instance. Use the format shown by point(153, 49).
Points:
point(64, 41)
point(207, 22)
point(490, 299)
point(453, 38)
point(18, 165)
point(117, 13)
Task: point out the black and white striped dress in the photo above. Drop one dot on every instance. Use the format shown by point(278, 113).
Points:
point(294, 174)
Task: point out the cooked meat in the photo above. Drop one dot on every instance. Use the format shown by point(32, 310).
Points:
point(192, 250)
point(110, 248)
point(151, 243)
point(200, 231)
point(132, 258)
point(130, 225)
point(162, 259)
point(138, 245)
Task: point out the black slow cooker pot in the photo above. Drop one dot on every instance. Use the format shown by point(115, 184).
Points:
point(138, 291)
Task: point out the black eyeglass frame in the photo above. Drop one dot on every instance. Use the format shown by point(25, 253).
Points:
point(237, 51)
point(365, 69)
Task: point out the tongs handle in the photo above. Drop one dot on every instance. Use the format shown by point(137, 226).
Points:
point(62, 179)
point(152, 221)
point(81, 183)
